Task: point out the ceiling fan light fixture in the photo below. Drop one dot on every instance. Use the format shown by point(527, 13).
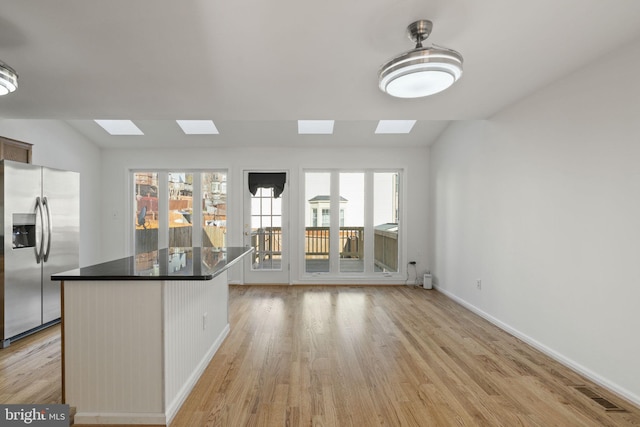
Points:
point(422, 71)
point(8, 79)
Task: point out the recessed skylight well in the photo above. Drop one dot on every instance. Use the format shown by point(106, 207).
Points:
point(198, 127)
point(315, 127)
point(395, 126)
point(119, 127)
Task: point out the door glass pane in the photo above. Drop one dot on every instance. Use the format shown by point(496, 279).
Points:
point(352, 222)
point(214, 209)
point(317, 220)
point(386, 198)
point(266, 230)
point(146, 214)
point(180, 209)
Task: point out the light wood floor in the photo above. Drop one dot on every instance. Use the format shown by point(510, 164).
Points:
point(30, 370)
point(355, 356)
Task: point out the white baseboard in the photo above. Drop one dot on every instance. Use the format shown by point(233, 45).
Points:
point(631, 397)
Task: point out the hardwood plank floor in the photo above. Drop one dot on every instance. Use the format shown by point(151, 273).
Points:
point(354, 356)
point(30, 370)
point(394, 356)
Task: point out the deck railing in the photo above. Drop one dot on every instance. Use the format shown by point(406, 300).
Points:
point(317, 242)
point(268, 244)
point(385, 250)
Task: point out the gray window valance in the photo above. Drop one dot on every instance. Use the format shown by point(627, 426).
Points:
point(275, 180)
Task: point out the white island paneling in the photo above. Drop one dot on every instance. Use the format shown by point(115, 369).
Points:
point(133, 350)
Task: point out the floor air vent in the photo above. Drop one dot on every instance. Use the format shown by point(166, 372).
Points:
point(606, 404)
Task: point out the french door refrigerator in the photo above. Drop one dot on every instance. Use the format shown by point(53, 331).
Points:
point(40, 210)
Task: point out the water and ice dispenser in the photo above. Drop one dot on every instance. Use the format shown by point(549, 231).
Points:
point(24, 230)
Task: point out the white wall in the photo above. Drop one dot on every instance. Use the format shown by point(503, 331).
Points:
point(117, 164)
point(57, 145)
point(542, 203)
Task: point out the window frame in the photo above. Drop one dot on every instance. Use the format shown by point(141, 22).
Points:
point(163, 203)
point(369, 270)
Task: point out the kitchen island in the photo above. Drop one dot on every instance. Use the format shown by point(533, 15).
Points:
point(138, 332)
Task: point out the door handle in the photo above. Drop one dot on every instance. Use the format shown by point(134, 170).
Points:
point(45, 203)
point(41, 245)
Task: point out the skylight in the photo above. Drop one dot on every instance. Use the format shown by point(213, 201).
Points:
point(395, 126)
point(119, 127)
point(198, 127)
point(315, 127)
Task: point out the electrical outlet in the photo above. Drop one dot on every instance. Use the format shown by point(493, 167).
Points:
point(479, 284)
point(204, 321)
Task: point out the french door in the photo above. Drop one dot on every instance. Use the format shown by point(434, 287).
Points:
point(266, 219)
point(178, 209)
point(352, 223)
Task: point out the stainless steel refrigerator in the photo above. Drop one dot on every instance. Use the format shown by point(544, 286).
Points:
point(40, 213)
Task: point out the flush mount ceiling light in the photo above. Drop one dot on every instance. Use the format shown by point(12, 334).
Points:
point(8, 79)
point(422, 71)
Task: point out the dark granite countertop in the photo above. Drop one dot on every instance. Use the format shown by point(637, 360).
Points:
point(163, 264)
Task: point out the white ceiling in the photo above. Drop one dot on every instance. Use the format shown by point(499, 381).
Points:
point(256, 66)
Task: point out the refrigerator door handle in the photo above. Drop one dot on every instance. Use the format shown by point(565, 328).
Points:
point(45, 203)
point(39, 245)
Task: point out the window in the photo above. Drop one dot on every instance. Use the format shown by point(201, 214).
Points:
point(266, 230)
point(317, 239)
point(325, 218)
point(165, 212)
point(214, 209)
point(365, 237)
point(146, 212)
point(180, 186)
point(352, 222)
point(386, 201)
